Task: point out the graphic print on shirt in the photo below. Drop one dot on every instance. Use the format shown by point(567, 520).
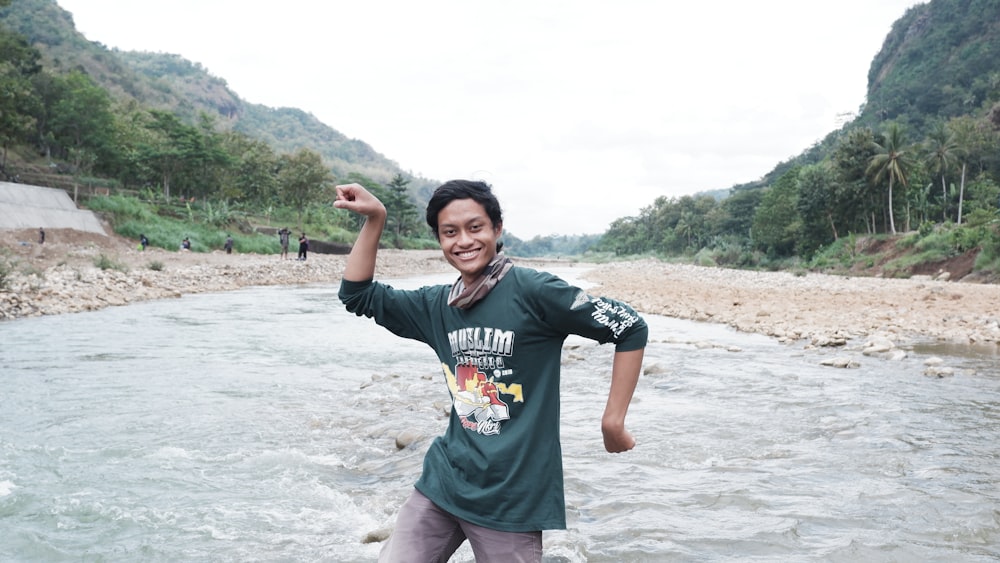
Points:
point(481, 400)
point(616, 318)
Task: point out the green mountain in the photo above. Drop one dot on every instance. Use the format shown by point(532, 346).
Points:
point(941, 60)
point(170, 82)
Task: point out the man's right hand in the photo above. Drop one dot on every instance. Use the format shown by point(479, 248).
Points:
point(355, 198)
point(361, 261)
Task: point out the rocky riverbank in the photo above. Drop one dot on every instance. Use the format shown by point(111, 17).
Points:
point(75, 272)
point(826, 310)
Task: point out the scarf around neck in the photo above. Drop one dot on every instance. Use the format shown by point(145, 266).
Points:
point(465, 297)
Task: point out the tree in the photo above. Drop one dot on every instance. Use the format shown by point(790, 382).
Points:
point(19, 62)
point(132, 137)
point(162, 150)
point(739, 210)
point(81, 121)
point(207, 161)
point(892, 161)
point(776, 224)
point(817, 205)
point(254, 177)
point(854, 202)
point(976, 141)
point(400, 210)
point(302, 178)
point(942, 151)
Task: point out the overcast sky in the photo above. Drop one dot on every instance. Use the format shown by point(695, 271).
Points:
point(577, 112)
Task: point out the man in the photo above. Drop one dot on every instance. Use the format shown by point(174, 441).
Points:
point(495, 476)
point(283, 236)
point(303, 246)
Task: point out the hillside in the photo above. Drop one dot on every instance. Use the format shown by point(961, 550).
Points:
point(940, 60)
point(170, 82)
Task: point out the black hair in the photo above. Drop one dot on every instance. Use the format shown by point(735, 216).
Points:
point(480, 192)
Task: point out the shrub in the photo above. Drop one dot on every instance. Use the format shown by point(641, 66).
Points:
point(155, 265)
point(6, 269)
point(704, 258)
point(926, 228)
point(105, 263)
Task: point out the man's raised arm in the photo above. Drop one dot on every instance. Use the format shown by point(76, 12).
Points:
point(361, 261)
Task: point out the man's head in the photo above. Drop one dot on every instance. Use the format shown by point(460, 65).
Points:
point(467, 221)
point(480, 192)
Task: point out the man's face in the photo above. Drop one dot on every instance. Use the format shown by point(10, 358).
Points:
point(468, 238)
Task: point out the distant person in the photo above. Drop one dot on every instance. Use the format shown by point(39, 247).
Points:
point(229, 244)
point(41, 235)
point(186, 244)
point(303, 246)
point(143, 242)
point(283, 236)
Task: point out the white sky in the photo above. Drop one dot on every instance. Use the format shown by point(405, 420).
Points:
point(577, 112)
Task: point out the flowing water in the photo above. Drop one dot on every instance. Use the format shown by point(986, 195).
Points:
point(260, 425)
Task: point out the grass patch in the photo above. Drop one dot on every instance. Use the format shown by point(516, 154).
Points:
point(7, 265)
point(104, 262)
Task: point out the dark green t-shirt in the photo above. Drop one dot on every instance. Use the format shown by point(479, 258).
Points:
point(499, 464)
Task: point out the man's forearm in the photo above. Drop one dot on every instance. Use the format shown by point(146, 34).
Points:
point(361, 261)
point(624, 376)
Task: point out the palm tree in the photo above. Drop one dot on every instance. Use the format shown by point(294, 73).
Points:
point(968, 137)
point(892, 160)
point(942, 151)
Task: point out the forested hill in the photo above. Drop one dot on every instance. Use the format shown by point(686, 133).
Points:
point(941, 60)
point(186, 89)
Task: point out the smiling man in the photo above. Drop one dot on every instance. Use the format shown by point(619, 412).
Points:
point(495, 477)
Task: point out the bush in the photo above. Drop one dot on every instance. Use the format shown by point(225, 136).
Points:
point(926, 228)
point(964, 239)
point(989, 256)
point(704, 258)
point(6, 269)
point(105, 263)
point(980, 217)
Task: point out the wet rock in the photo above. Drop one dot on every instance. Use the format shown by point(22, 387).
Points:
point(407, 438)
point(828, 340)
point(653, 369)
point(376, 536)
point(939, 371)
point(876, 346)
point(840, 362)
point(896, 355)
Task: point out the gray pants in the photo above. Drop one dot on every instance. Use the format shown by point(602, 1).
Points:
point(426, 534)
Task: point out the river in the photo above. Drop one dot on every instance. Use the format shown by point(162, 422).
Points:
point(260, 425)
